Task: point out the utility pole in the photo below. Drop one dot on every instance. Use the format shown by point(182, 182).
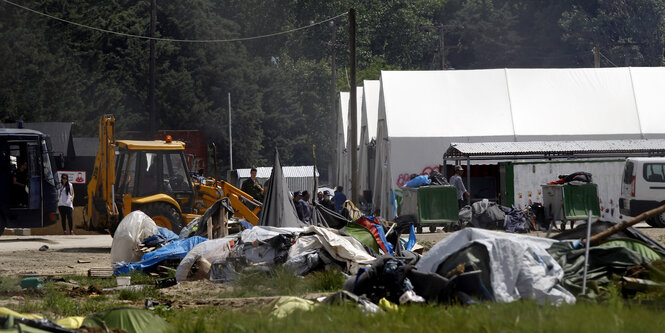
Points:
point(442, 29)
point(353, 107)
point(333, 95)
point(151, 84)
point(596, 56)
point(230, 136)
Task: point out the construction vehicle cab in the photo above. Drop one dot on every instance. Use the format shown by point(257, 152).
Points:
point(152, 176)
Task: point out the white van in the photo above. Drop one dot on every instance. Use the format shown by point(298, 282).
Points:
point(643, 188)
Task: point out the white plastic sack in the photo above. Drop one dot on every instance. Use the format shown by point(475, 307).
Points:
point(343, 248)
point(211, 250)
point(263, 233)
point(131, 231)
point(521, 267)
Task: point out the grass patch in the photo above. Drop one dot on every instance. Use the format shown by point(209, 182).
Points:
point(280, 281)
point(513, 317)
point(138, 295)
point(57, 304)
point(9, 285)
point(427, 245)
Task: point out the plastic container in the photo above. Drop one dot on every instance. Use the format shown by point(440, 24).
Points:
point(123, 280)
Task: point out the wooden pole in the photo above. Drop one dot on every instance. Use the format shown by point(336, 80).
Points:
point(599, 237)
point(151, 69)
point(353, 107)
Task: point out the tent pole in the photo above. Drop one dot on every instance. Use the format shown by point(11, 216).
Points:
point(586, 253)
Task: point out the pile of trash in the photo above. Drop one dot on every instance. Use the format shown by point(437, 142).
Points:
point(473, 264)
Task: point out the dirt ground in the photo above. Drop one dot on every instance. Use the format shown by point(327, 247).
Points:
point(74, 255)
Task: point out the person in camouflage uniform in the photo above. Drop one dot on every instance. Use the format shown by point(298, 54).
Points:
point(252, 187)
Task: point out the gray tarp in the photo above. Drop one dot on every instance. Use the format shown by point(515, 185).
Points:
point(278, 208)
point(521, 267)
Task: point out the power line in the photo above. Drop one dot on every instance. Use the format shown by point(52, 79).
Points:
point(171, 39)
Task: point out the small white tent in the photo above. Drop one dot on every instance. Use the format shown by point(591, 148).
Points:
point(422, 112)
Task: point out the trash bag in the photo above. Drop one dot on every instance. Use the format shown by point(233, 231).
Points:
point(211, 250)
point(437, 178)
point(487, 215)
point(418, 181)
point(131, 231)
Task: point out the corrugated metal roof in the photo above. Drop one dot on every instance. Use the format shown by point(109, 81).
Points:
point(289, 172)
point(656, 146)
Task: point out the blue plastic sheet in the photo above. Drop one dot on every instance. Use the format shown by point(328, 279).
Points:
point(245, 224)
point(167, 234)
point(412, 238)
point(164, 236)
point(178, 249)
point(418, 181)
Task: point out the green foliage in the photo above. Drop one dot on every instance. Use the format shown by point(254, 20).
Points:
point(513, 317)
point(138, 295)
point(281, 281)
point(9, 284)
point(280, 86)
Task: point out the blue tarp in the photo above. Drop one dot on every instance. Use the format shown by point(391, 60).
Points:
point(164, 236)
point(418, 181)
point(178, 249)
point(412, 238)
point(168, 234)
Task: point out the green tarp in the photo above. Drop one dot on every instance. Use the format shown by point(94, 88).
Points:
point(362, 235)
point(635, 246)
point(603, 262)
point(579, 199)
point(128, 319)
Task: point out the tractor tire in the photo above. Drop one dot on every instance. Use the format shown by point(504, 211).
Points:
point(164, 215)
point(657, 221)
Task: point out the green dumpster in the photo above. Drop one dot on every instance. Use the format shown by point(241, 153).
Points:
point(437, 204)
point(570, 202)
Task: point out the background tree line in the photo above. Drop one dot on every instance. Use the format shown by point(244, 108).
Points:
point(280, 86)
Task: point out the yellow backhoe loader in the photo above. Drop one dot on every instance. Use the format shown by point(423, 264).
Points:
point(152, 176)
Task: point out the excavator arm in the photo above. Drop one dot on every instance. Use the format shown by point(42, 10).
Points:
point(101, 201)
point(207, 195)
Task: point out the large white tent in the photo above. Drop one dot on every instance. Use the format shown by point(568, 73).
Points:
point(340, 156)
point(422, 112)
point(359, 118)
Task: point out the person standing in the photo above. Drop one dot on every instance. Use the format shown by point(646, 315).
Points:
point(297, 197)
point(307, 210)
point(66, 203)
point(456, 180)
point(252, 187)
point(339, 198)
point(19, 188)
